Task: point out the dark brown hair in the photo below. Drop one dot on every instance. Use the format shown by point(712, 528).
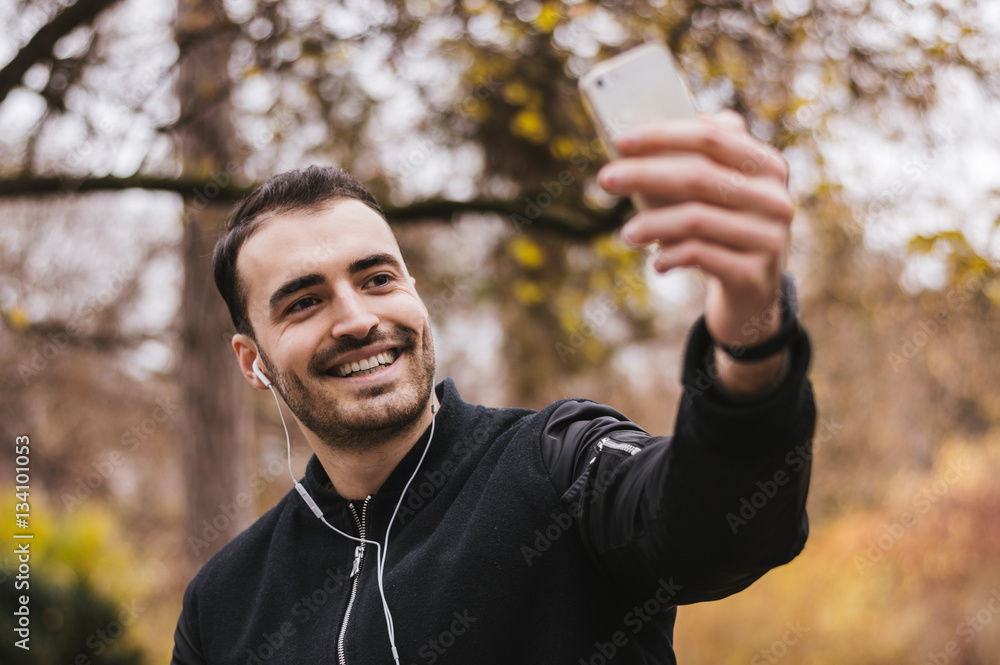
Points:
point(301, 190)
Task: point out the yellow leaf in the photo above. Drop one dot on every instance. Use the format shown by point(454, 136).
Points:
point(531, 125)
point(526, 253)
point(17, 317)
point(611, 247)
point(528, 293)
point(600, 281)
point(563, 147)
point(992, 291)
point(570, 321)
point(593, 349)
point(516, 93)
point(922, 244)
point(548, 18)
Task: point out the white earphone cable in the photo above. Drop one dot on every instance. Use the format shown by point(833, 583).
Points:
point(380, 551)
point(385, 550)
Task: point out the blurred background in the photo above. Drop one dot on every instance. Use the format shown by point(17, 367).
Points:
point(130, 127)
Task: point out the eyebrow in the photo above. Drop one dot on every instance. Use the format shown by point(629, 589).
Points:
point(293, 286)
point(374, 260)
point(306, 281)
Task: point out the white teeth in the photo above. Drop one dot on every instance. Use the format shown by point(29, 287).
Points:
point(366, 365)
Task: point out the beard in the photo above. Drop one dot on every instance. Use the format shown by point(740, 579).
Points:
point(361, 418)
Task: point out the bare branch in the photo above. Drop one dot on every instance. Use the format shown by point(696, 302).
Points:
point(572, 222)
point(38, 185)
point(40, 46)
point(63, 333)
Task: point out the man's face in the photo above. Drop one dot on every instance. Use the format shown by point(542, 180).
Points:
point(343, 334)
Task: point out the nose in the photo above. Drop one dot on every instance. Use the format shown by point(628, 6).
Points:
point(353, 318)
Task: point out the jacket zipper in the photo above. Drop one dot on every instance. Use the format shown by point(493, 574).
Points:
point(615, 445)
point(359, 555)
point(608, 442)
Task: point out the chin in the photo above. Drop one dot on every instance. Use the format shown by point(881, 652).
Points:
point(366, 418)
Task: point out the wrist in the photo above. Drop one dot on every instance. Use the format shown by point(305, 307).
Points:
point(781, 337)
point(748, 381)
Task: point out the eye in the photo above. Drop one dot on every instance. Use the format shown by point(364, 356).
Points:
point(379, 280)
point(301, 304)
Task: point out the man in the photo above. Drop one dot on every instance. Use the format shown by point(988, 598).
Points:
point(430, 530)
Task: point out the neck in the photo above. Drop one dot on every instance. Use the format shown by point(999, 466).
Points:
point(359, 471)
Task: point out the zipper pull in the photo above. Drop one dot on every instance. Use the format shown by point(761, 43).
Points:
point(359, 552)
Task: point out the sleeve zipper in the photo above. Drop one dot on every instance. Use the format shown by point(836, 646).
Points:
point(608, 442)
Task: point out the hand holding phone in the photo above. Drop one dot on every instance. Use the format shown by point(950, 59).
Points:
point(719, 196)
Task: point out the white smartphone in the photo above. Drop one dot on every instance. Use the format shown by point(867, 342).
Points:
point(639, 86)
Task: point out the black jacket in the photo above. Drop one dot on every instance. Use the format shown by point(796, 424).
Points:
point(562, 536)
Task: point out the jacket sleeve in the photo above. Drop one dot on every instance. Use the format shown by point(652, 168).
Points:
point(705, 512)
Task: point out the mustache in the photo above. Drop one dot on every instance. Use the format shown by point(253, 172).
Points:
point(401, 338)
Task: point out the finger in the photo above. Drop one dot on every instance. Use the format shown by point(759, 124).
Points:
point(711, 224)
point(728, 118)
point(669, 180)
point(740, 272)
point(722, 138)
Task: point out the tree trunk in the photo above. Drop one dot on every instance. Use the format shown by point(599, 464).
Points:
point(216, 419)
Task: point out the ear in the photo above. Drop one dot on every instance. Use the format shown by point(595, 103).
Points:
point(246, 354)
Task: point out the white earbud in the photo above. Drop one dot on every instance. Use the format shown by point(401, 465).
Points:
point(260, 374)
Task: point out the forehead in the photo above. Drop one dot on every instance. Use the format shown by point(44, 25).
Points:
point(304, 242)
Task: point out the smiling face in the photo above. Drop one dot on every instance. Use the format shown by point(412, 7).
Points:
point(339, 326)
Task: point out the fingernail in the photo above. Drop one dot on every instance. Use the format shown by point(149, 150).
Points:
point(627, 140)
point(609, 176)
point(627, 232)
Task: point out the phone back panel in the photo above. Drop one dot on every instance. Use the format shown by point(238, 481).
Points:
point(639, 86)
